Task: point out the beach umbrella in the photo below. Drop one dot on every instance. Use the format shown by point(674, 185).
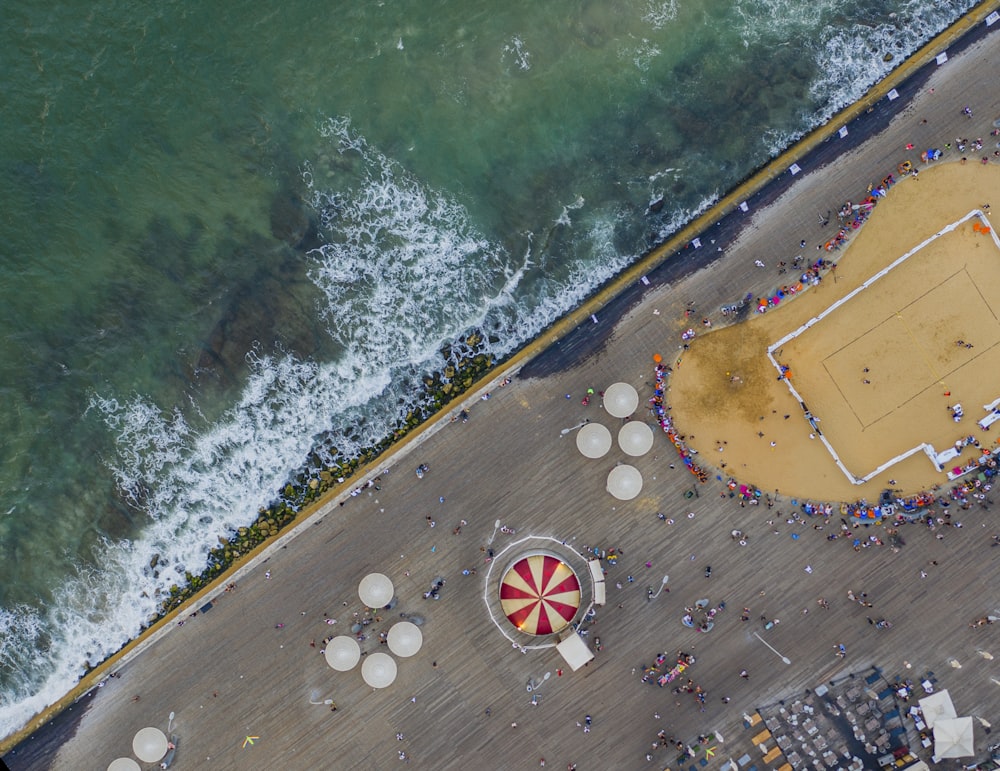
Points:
point(936, 707)
point(953, 738)
point(379, 670)
point(124, 764)
point(635, 438)
point(540, 594)
point(342, 653)
point(149, 744)
point(593, 440)
point(375, 590)
point(624, 482)
point(404, 639)
point(620, 400)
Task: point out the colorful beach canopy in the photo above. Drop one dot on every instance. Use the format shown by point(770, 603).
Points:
point(620, 400)
point(540, 594)
point(635, 438)
point(624, 482)
point(593, 440)
point(149, 745)
point(376, 590)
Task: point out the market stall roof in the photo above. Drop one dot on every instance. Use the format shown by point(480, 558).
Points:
point(404, 639)
point(574, 651)
point(635, 438)
point(342, 653)
point(379, 670)
point(149, 744)
point(954, 738)
point(936, 707)
point(593, 440)
point(624, 482)
point(620, 400)
point(540, 594)
point(376, 590)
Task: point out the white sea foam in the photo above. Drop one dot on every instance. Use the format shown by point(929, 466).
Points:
point(659, 13)
point(564, 218)
point(514, 51)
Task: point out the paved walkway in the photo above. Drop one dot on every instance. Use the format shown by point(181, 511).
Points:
point(233, 672)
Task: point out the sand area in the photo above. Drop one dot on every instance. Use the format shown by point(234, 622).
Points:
point(880, 371)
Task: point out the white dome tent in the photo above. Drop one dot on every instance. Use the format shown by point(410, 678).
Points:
point(593, 440)
point(620, 400)
point(624, 482)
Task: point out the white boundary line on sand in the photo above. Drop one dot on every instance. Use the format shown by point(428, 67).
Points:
point(924, 447)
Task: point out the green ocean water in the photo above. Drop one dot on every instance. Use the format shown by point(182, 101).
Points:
point(230, 229)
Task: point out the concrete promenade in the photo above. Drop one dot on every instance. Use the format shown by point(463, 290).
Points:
point(231, 672)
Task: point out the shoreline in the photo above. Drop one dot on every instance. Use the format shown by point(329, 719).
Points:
point(573, 334)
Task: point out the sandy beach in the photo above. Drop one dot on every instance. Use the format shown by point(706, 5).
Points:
point(881, 383)
point(249, 664)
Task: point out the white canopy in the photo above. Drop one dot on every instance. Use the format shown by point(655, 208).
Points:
point(593, 440)
point(149, 744)
point(376, 590)
point(574, 651)
point(404, 639)
point(342, 653)
point(953, 738)
point(635, 438)
point(936, 707)
point(379, 670)
point(620, 400)
point(624, 482)
point(124, 764)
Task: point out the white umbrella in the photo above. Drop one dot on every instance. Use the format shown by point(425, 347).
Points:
point(124, 764)
point(149, 744)
point(635, 438)
point(620, 400)
point(379, 670)
point(593, 440)
point(405, 639)
point(954, 738)
point(375, 590)
point(936, 707)
point(342, 653)
point(624, 482)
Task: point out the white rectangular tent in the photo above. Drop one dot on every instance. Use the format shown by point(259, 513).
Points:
point(954, 738)
point(936, 707)
point(574, 651)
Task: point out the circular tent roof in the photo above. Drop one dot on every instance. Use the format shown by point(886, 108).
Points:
point(620, 400)
point(635, 438)
point(342, 653)
point(404, 639)
point(124, 764)
point(149, 744)
point(540, 594)
point(379, 670)
point(593, 440)
point(376, 590)
point(624, 482)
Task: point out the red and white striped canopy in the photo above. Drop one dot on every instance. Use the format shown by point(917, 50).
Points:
point(540, 594)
